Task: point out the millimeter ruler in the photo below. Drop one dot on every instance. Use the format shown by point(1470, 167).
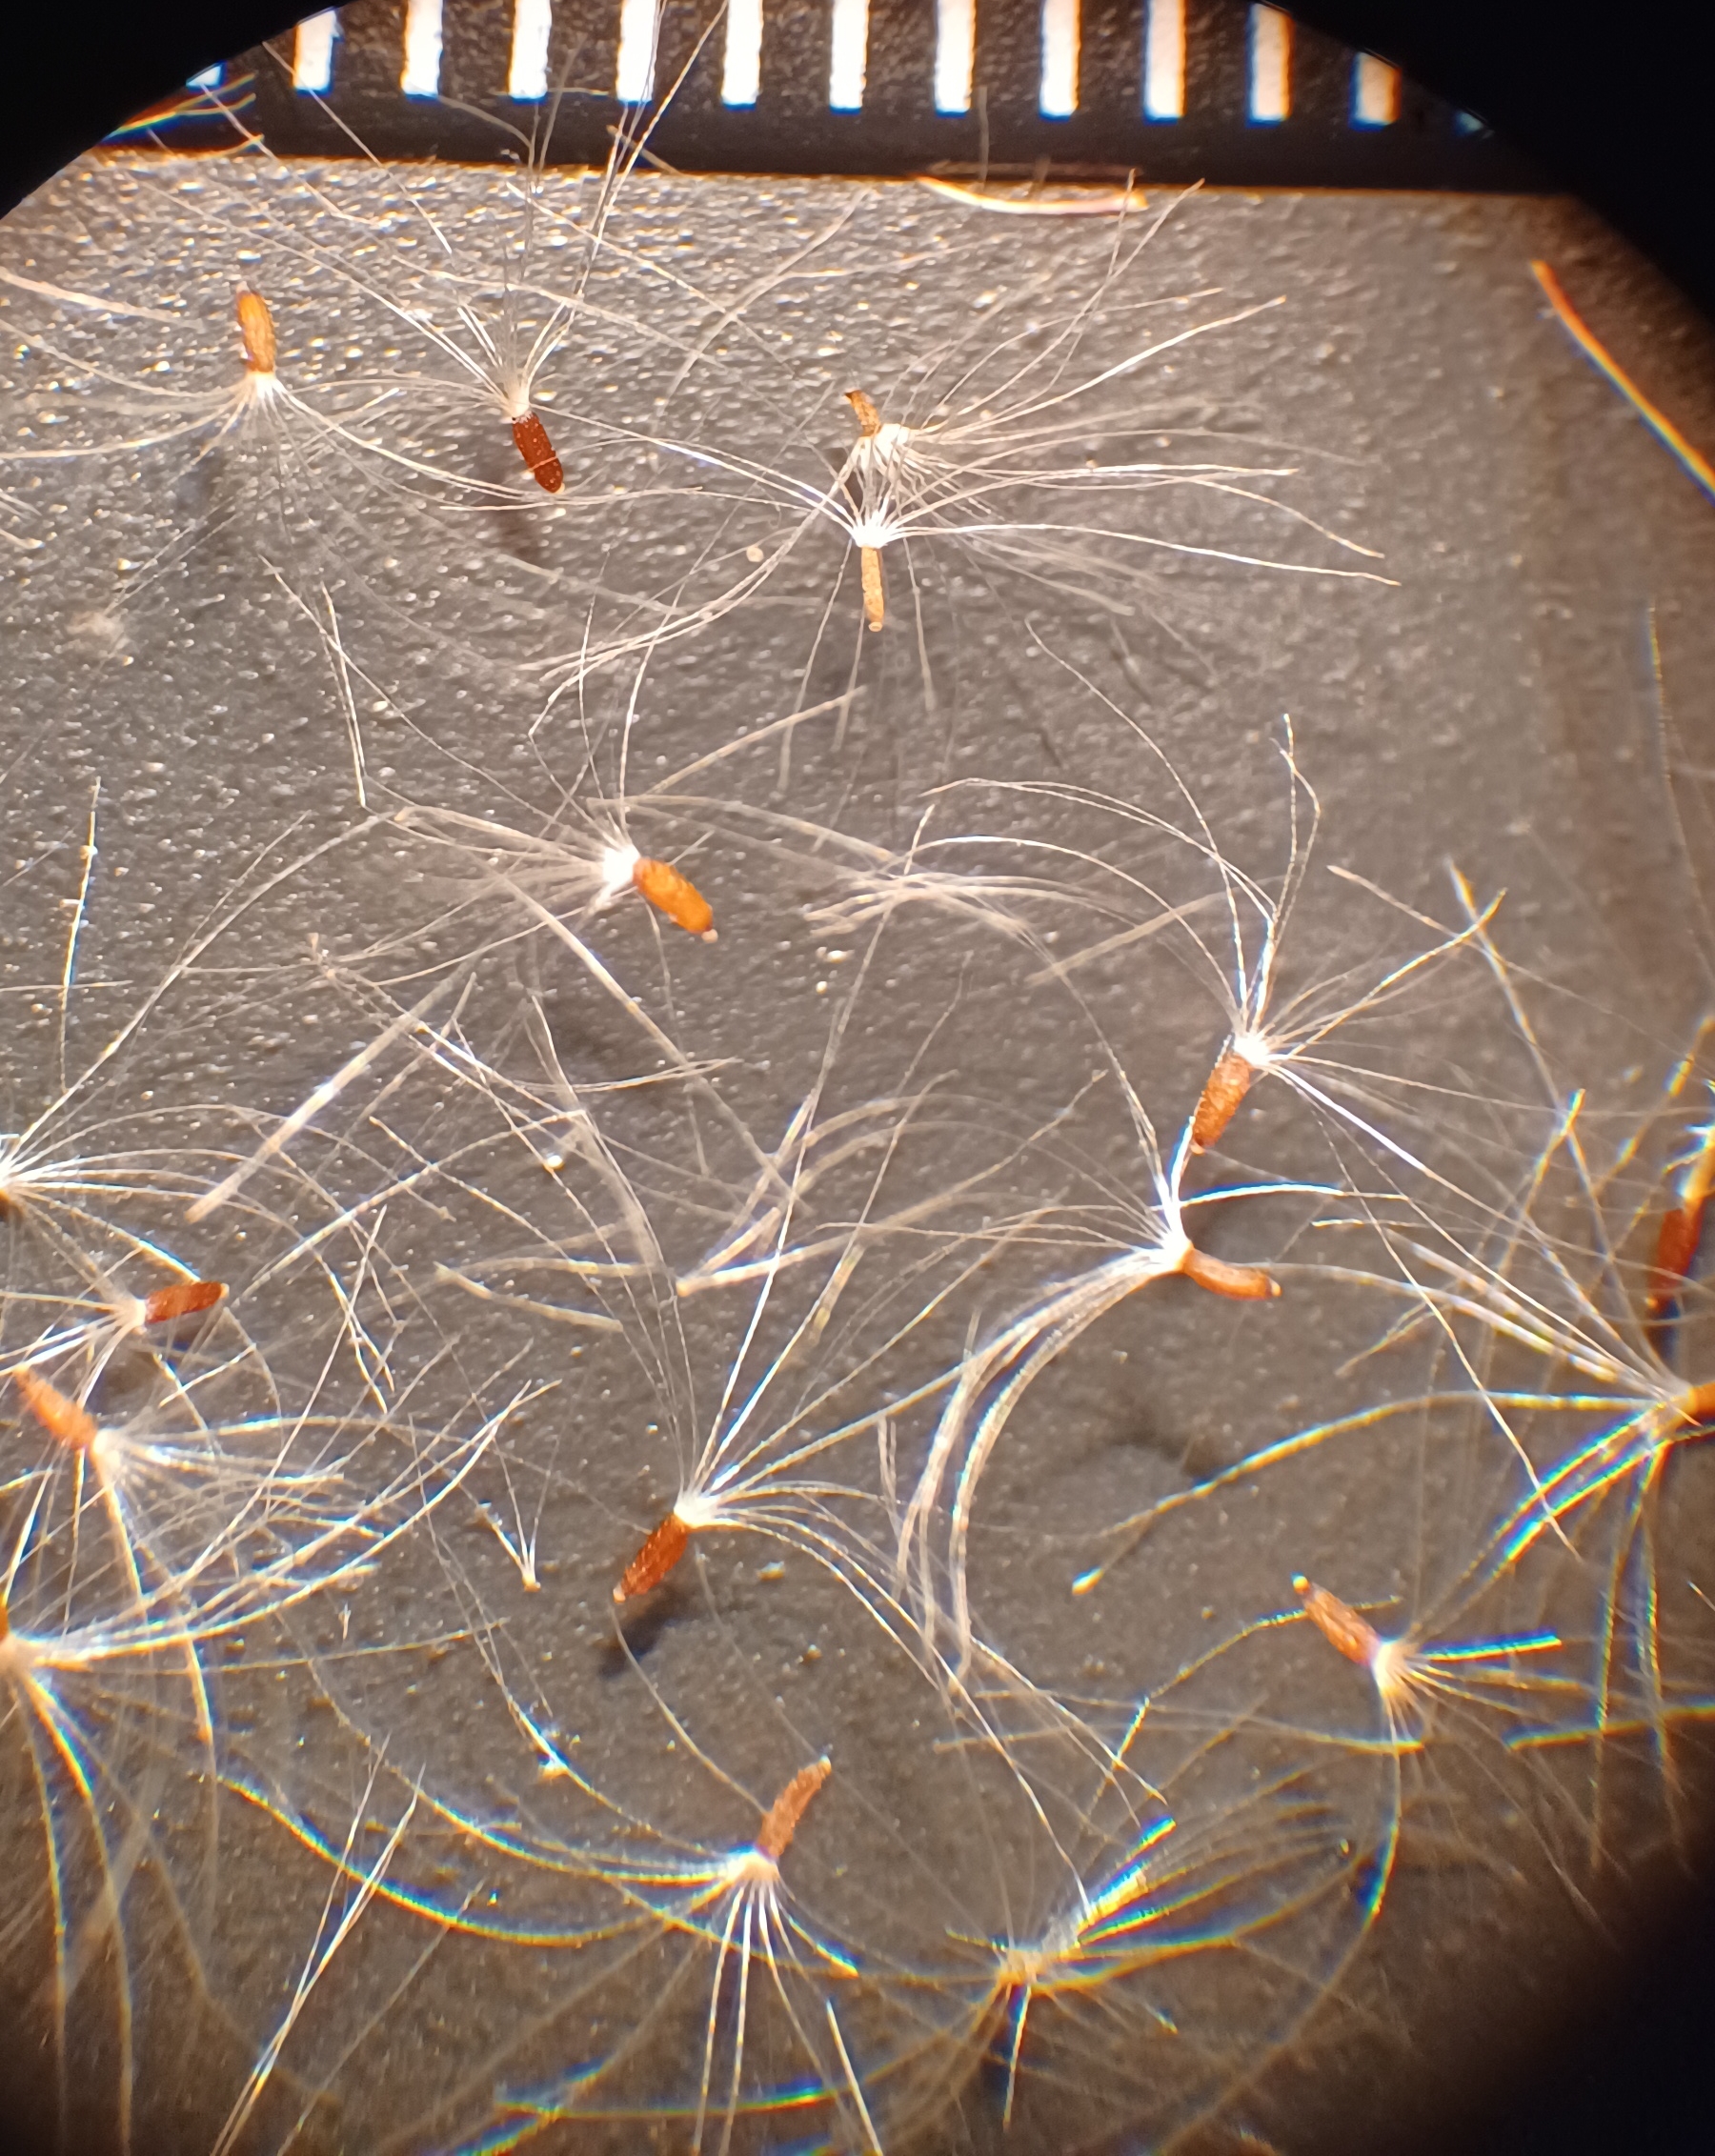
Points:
point(1219, 91)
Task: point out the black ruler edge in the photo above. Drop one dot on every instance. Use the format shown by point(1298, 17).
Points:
point(1612, 102)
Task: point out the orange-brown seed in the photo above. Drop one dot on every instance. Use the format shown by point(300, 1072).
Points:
point(184, 1300)
point(875, 591)
point(869, 419)
point(1697, 1406)
point(1677, 1242)
point(1339, 1623)
point(677, 897)
point(1229, 1081)
point(1239, 1283)
point(780, 1822)
point(537, 453)
point(665, 1546)
point(61, 1418)
point(255, 326)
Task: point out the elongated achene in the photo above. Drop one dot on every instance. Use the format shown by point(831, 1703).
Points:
point(255, 326)
point(1339, 1623)
point(676, 896)
point(875, 591)
point(869, 419)
point(537, 453)
point(1229, 1081)
point(1677, 1242)
point(1241, 1283)
point(665, 1546)
point(184, 1300)
point(61, 1418)
point(1697, 1404)
point(780, 1822)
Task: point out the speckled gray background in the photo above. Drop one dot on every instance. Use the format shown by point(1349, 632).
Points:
point(1497, 706)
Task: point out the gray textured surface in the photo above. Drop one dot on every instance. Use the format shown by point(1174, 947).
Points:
point(1495, 707)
